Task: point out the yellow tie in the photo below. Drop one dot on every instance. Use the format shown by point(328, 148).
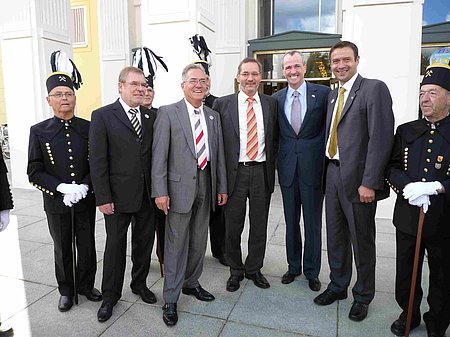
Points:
point(332, 149)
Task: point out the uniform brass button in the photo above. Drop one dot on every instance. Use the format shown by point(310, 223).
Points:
point(428, 160)
point(423, 179)
point(70, 150)
point(67, 135)
point(432, 132)
point(71, 166)
point(68, 143)
point(72, 174)
point(425, 169)
point(429, 150)
point(71, 158)
point(406, 149)
point(430, 141)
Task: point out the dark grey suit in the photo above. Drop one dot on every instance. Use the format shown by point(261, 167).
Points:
point(192, 192)
point(258, 192)
point(120, 173)
point(365, 136)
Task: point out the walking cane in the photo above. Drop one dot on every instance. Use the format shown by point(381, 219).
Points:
point(414, 275)
point(159, 253)
point(74, 254)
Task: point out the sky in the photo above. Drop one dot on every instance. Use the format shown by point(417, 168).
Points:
point(435, 11)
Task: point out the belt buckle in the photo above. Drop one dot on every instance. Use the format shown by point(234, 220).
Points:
point(245, 163)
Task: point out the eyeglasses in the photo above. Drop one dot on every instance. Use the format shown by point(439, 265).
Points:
point(138, 84)
point(60, 95)
point(245, 74)
point(195, 81)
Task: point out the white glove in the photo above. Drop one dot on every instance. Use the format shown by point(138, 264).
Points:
point(421, 201)
point(415, 190)
point(80, 190)
point(67, 200)
point(4, 219)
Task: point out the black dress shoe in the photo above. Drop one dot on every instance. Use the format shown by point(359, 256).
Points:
point(233, 282)
point(65, 303)
point(6, 331)
point(92, 295)
point(398, 328)
point(105, 311)
point(170, 316)
point(314, 284)
point(288, 277)
point(358, 311)
point(200, 293)
point(258, 279)
point(146, 294)
point(328, 297)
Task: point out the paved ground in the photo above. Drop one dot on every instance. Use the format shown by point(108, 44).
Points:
point(28, 293)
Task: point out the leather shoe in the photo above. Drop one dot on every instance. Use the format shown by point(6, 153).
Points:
point(92, 295)
point(233, 282)
point(314, 284)
point(329, 296)
point(146, 294)
point(288, 277)
point(258, 279)
point(200, 293)
point(433, 329)
point(6, 331)
point(398, 328)
point(170, 316)
point(358, 311)
point(105, 311)
point(65, 303)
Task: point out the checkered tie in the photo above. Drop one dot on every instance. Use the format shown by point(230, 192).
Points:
point(200, 145)
point(252, 132)
point(135, 122)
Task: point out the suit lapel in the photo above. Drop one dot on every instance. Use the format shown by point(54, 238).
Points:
point(234, 113)
point(145, 118)
point(351, 96)
point(265, 112)
point(331, 102)
point(120, 113)
point(310, 102)
point(183, 117)
point(209, 118)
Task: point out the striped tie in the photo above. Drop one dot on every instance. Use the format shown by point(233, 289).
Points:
point(135, 123)
point(252, 134)
point(200, 145)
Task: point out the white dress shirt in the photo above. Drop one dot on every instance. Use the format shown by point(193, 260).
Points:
point(193, 119)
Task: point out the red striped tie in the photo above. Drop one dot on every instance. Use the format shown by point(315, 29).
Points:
point(200, 145)
point(252, 134)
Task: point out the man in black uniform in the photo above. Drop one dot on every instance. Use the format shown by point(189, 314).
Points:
point(419, 172)
point(6, 204)
point(58, 166)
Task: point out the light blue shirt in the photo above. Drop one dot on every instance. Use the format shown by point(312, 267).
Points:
point(290, 98)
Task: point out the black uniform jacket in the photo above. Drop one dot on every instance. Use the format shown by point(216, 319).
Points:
point(421, 152)
point(58, 153)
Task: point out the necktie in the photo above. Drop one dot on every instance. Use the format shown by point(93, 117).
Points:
point(332, 148)
point(200, 145)
point(296, 117)
point(252, 134)
point(135, 123)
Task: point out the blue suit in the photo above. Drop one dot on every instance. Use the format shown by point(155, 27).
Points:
point(300, 167)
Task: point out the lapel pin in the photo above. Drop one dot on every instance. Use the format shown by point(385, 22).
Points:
point(211, 117)
point(332, 101)
point(440, 159)
point(146, 116)
point(313, 96)
point(351, 97)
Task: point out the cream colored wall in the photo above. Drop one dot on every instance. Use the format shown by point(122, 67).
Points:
point(2, 95)
point(87, 61)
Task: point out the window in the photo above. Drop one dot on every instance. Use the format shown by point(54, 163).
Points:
point(79, 32)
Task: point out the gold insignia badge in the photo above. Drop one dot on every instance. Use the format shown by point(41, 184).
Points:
point(440, 159)
point(429, 73)
point(437, 166)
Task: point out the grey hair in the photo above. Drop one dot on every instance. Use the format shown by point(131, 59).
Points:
point(292, 53)
point(189, 67)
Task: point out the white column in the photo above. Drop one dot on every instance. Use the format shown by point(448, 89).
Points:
point(388, 35)
point(30, 31)
point(114, 45)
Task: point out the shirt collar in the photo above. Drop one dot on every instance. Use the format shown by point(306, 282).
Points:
point(126, 107)
point(191, 108)
point(301, 90)
point(349, 84)
point(242, 97)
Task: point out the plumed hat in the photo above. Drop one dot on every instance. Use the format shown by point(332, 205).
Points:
point(145, 59)
point(60, 62)
point(438, 72)
point(58, 79)
point(201, 49)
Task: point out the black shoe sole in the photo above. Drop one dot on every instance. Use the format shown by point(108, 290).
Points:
point(339, 297)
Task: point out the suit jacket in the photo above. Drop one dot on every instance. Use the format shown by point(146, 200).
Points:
point(6, 201)
point(365, 136)
point(58, 153)
point(227, 106)
point(174, 165)
point(305, 149)
point(120, 162)
point(410, 156)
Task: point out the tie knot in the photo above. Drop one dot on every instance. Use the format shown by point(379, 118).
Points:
point(250, 99)
point(295, 93)
point(133, 111)
point(197, 112)
point(341, 90)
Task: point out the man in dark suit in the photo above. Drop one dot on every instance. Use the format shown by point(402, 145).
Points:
point(359, 134)
point(189, 178)
point(419, 172)
point(250, 131)
point(302, 108)
point(58, 166)
point(120, 157)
